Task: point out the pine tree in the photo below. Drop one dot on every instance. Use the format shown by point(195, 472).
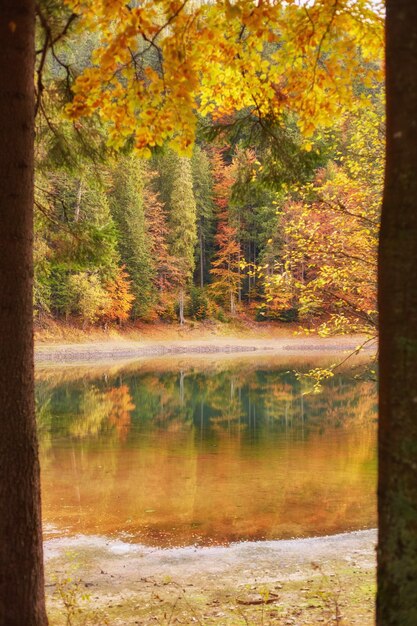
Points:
point(183, 227)
point(22, 593)
point(397, 488)
point(126, 202)
point(166, 165)
point(203, 192)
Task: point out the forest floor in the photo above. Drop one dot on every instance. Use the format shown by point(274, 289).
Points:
point(60, 343)
point(299, 582)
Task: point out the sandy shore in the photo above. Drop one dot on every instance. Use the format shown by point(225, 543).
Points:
point(325, 580)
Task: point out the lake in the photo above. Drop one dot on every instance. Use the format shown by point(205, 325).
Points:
point(170, 452)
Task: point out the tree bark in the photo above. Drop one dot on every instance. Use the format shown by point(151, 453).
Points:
point(397, 489)
point(201, 258)
point(21, 567)
point(239, 292)
point(232, 302)
point(78, 201)
point(181, 297)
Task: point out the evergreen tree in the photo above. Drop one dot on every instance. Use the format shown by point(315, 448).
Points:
point(203, 192)
point(22, 591)
point(252, 212)
point(397, 488)
point(183, 227)
point(166, 165)
point(126, 201)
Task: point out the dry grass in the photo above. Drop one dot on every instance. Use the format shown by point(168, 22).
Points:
point(52, 331)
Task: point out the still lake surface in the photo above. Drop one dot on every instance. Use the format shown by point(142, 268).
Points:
point(168, 453)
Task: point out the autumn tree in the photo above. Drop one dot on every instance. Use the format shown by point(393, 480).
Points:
point(227, 261)
point(226, 266)
point(119, 297)
point(166, 275)
point(89, 298)
point(221, 68)
point(329, 254)
point(320, 263)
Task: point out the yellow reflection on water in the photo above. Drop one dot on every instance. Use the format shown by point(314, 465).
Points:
point(181, 455)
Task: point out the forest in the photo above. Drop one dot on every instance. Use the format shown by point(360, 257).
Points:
point(199, 165)
point(256, 222)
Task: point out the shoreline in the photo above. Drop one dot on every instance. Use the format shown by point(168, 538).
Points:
point(112, 350)
point(120, 545)
point(292, 581)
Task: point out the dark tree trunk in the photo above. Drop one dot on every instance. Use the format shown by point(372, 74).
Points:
point(21, 568)
point(397, 489)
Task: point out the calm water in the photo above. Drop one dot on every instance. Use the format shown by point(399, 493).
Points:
point(167, 454)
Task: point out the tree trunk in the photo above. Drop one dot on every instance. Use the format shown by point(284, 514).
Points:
point(239, 292)
point(181, 306)
point(78, 201)
point(201, 259)
point(21, 568)
point(397, 489)
point(232, 302)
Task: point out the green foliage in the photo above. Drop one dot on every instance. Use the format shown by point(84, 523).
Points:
point(203, 193)
point(199, 307)
point(61, 296)
point(41, 279)
point(264, 314)
point(74, 233)
point(126, 201)
point(182, 219)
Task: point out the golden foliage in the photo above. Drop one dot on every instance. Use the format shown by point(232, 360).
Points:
point(159, 64)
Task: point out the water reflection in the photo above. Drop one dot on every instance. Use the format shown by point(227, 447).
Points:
point(180, 456)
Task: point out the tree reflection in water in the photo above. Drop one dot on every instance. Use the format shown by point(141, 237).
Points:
point(181, 456)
